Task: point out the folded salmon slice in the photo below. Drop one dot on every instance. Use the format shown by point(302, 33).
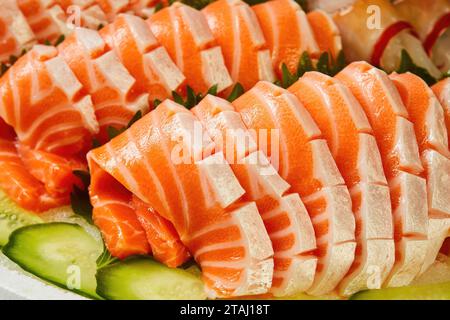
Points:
point(105, 78)
point(56, 172)
point(174, 169)
point(161, 234)
point(185, 34)
point(45, 104)
point(283, 213)
point(147, 61)
point(394, 132)
point(303, 159)
point(428, 117)
point(442, 92)
point(115, 216)
point(325, 32)
point(237, 31)
point(287, 32)
point(46, 18)
point(15, 33)
point(349, 135)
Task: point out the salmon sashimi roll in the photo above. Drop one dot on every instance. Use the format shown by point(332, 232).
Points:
point(442, 92)
point(284, 215)
point(45, 104)
point(185, 34)
point(287, 32)
point(349, 135)
point(46, 19)
point(15, 33)
point(237, 31)
point(175, 170)
point(115, 216)
point(427, 115)
point(304, 160)
point(394, 132)
point(105, 78)
point(147, 61)
point(385, 35)
point(326, 32)
point(164, 240)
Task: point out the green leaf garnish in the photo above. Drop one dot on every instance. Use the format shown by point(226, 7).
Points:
point(238, 90)
point(80, 203)
point(213, 90)
point(105, 259)
point(60, 39)
point(177, 98)
point(323, 64)
point(304, 65)
point(408, 65)
point(158, 7)
point(84, 176)
point(339, 64)
point(156, 102)
point(96, 143)
point(137, 116)
point(100, 26)
point(191, 99)
point(287, 78)
point(113, 132)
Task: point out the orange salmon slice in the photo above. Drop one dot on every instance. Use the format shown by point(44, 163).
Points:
point(325, 32)
point(349, 135)
point(45, 104)
point(15, 33)
point(287, 32)
point(304, 160)
point(283, 213)
point(428, 117)
point(145, 59)
point(194, 188)
point(105, 78)
point(237, 31)
point(185, 34)
point(20, 185)
point(46, 19)
point(396, 139)
point(442, 92)
point(161, 234)
point(115, 216)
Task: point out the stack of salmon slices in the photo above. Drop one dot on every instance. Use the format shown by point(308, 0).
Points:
point(333, 185)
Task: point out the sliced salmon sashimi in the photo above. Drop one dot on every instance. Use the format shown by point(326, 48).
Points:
point(147, 61)
point(237, 31)
point(185, 34)
point(442, 92)
point(287, 32)
point(284, 215)
point(326, 32)
point(349, 135)
point(15, 33)
point(306, 163)
point(394, 132)
point(195, 189)
point(105, 78)
point(428, 117)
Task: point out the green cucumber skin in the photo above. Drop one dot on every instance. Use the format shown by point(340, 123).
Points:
point(25, 247)
point(139, 278)
point(13, 217)
point(440, 291)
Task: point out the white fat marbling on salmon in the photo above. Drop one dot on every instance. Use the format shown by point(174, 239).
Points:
point(141, 32)
point(406, 146)
point(159, 62)
point(63, 77)
point(265, 69)
point(413, 255)
point(370, 166)
point(435, 124)
point(214, 70)
point(197, 25)
point(308, 42)
point(325, 169)
point(438, 182)
point(412, 209)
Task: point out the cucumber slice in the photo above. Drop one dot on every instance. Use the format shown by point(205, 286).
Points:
point(146, 279)
point(13, 217)
point(440, 291)
point(61, 253)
